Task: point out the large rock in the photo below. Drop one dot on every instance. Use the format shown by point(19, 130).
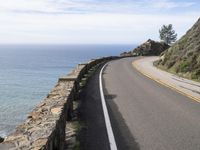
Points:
point(1, 139)
point(149, 48)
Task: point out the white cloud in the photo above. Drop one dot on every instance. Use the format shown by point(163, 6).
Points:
point(74, 6)
point(48, 21)
point(167, 4)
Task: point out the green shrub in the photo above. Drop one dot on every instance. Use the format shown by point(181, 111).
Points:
point(184, 66)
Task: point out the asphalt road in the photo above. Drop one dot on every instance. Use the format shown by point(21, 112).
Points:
point(93, 135)
point(146, 115)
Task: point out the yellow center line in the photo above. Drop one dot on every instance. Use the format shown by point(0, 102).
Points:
point(135, 65)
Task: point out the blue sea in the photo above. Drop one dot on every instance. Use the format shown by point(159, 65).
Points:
point(29, 72)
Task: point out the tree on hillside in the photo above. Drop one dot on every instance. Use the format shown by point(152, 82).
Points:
point(167, 34)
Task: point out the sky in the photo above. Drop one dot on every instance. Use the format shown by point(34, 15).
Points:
point(92, 21)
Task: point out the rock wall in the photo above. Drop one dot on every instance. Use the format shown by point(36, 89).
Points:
point(44, 127)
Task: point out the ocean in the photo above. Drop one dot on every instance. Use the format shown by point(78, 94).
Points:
point(29, 72)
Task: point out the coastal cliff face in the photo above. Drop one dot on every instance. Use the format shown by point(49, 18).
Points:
point(148, 48)
point(184, 56)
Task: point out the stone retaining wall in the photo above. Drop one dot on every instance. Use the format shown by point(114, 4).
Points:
point(44, 127)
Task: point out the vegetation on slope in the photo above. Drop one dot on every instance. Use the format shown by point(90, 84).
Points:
point(183, 57)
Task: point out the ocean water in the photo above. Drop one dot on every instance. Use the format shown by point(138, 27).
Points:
point(28, 73)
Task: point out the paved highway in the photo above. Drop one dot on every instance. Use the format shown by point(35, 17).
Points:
point(146, 115)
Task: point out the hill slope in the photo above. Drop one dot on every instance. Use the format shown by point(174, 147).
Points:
point(184, 56)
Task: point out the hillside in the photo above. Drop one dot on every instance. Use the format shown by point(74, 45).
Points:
point(183, 57)
point(150, 47)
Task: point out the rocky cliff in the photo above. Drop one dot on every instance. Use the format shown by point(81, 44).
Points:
point(183, 57)
point(150, 47)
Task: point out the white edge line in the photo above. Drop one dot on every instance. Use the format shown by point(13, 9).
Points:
point(111, 137)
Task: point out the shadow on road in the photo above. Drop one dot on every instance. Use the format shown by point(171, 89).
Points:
point(94, 135)
point(123, 137)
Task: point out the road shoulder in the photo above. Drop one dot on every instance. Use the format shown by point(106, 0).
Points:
point(181, 85)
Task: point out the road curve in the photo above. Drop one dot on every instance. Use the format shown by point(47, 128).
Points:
point(146, 115)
